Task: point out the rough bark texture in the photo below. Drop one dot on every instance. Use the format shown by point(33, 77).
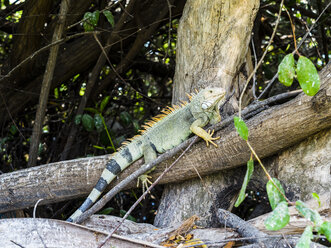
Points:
point(46, 85)
point(306, 167)
point(213, 38)
point(212, 44)
point(270, 131)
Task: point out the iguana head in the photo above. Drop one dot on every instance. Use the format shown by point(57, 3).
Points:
point(211, 98)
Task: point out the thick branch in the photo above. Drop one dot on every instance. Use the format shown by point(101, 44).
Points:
point(272, 130)
point(46, 85)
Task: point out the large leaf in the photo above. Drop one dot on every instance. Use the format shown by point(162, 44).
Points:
point(317, 198)
point(88, 122)
point(98, 123)
point(249, 172)
point(110, 17)
point(126, 117)
point(241, 127)
point(286, 70)
point(104, 103)
point(93, 110)
point(307, 76)
point(78, 119)
point(325, 229)
point(306, 237)
point(275, 197)
point(278, 218)
point(308, 213)
point(91, 20)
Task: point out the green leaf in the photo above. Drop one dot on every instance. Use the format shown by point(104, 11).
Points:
point(286, 70)
point(91, 20)
point(98, 147)
point(109, 17)
point(13, 129)
point(125, 117)
point(278, 218)
point(307, 76)
point(88, 122)
point(326, 230)
point(104, 103)
point(56, 93)
point(275, 197)
point(308, 213)
point(306, 237)
point(78, 119)
point(249, 172)
point(92, 110)
point(241, 127)
point(106, 211)
point(98, 123)
point(317, 198)
point(130, 217)
point(136, 125)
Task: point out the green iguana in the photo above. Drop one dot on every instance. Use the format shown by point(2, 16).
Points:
point(164, 132)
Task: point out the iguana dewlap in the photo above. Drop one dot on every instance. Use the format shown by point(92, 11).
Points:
point(166, 131)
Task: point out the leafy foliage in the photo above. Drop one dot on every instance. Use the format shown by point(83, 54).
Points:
point(91, 20)
point(307, 76)
point(286, 70)
point(110, 17)
point(306, 238)
point(275, 192)
point(88, 122)
point(241, 127)
point(308, 213)
point(325, 229)
point(278, 218)
point(123, 104)
point(248, 175)
point(306, 73)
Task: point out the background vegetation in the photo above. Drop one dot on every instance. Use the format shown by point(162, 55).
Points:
point(124, 91)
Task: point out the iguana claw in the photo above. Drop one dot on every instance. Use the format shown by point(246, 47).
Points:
point(209, 138)
point(144, 181)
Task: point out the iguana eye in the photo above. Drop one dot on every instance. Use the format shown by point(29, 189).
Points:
point(204, 106)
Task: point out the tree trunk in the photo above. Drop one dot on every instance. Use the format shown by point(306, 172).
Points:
point(211, 52)
point(212, 44)
point(213, 40)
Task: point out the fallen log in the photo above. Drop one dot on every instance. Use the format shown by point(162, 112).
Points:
point(270, 131)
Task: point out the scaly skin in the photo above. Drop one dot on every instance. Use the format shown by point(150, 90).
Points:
point(168, 132)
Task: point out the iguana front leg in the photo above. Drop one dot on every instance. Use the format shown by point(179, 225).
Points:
point(197, 129)
point(149, 155)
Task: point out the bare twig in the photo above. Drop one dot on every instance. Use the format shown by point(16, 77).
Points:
point(293, 31)
point(35, 208)
point(261, 59)
point(255, 64)
point(15, 243)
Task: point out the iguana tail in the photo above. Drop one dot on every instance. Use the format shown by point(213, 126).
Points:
point(122, 159)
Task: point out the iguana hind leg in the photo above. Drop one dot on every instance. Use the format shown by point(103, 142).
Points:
point(150, 154)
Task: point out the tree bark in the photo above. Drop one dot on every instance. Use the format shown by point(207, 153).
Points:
point(270, 132)
point(46, 85)
point(213, 39)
